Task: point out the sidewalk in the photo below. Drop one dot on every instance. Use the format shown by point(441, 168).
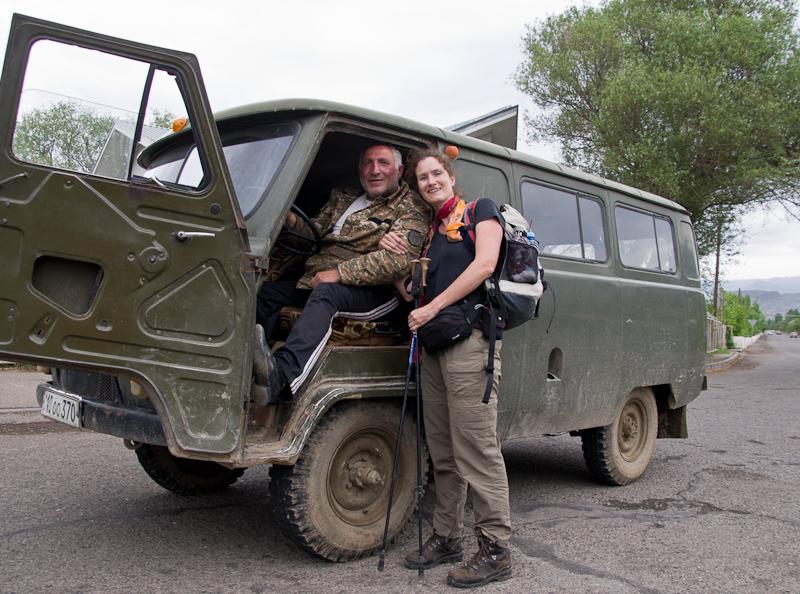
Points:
point(18, 396)
point(715, 362)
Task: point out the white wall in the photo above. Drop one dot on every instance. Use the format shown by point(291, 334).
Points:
point(742, 342)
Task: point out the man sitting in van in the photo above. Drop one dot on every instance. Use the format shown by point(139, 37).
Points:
point(349, 277)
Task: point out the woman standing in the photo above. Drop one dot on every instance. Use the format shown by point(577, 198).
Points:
point(461, 430)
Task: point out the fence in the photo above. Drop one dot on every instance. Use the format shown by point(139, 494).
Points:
point(715, 334)
point(742, 342)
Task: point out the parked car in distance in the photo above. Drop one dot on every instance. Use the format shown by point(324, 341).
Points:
point(793, 335)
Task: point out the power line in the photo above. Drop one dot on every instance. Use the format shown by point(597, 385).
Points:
point(80, 100)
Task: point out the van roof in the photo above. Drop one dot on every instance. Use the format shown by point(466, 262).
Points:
point(369, 115)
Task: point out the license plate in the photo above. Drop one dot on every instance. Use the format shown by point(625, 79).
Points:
point(62, 407)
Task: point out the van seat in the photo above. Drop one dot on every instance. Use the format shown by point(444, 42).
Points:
point(345, 331)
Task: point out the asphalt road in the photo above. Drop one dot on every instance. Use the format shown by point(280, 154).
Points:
point(718, 512)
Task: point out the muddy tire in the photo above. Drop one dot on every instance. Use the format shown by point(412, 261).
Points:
point(618, 454)
point(332, 502)
point(183, 476)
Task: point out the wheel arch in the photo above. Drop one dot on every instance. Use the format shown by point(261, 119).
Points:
point(307, 412)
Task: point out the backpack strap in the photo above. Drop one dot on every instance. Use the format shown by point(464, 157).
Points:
point(468, 227)
point(494, 307)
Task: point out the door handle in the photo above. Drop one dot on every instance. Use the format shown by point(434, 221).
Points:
point(184, 235)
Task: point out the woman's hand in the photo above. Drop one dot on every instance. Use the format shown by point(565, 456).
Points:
point(393, 242)
point(419, 317)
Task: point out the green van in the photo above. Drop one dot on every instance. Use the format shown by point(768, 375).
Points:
point(132, 279)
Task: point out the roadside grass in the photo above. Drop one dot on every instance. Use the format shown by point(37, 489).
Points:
point(6, 366)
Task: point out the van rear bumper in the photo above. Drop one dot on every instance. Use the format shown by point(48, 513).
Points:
point(120, 420)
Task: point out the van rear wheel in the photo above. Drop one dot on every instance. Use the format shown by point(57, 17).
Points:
point(618, 454)
point(332, 503)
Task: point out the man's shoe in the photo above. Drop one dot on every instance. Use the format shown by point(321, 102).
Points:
point(491, 563)
point(266, 372)
point(435, 550)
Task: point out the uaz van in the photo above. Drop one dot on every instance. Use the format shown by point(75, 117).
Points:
point(132, 276)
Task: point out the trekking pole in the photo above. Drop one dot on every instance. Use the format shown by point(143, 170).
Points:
point(421, 560)
point(399, 434)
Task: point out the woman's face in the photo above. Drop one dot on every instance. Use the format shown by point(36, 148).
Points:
point(435, 184)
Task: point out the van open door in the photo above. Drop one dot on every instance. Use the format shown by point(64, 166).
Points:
point(104, 267)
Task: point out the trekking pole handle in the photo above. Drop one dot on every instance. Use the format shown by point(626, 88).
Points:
point(424, 262)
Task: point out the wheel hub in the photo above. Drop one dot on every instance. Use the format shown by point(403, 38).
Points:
point(363, 474)
point(357, 487)
point(631, 434)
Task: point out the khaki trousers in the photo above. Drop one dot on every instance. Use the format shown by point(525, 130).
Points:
point(461, 433)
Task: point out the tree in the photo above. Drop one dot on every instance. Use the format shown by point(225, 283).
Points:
point(695, 100)
point(64, 134)
point(738, 310)
point(723, 233)
point(161, 118)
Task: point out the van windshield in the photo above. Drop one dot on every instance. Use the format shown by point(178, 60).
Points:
point(254, 155)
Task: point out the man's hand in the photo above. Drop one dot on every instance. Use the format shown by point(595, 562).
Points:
point(291, 220)
point(393, 242)
point(400, 285)
point(326, 276)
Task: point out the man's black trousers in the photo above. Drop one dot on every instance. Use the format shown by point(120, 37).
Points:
point(297, 357)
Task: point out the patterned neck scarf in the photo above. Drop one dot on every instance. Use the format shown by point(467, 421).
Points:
point(455, 206)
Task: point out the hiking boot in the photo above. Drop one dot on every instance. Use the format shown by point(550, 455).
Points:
point(435, 550)
point(491, 563)
point(265, 370)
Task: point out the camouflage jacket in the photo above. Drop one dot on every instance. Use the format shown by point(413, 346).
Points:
point(355, 250)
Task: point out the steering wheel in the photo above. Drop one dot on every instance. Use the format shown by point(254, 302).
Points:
point(314, 242)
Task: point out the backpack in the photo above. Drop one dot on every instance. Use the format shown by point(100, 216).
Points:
point(517, 283)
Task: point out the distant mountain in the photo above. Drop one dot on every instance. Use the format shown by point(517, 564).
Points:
point(771, 302)
point(785, 284)
point(774, 295)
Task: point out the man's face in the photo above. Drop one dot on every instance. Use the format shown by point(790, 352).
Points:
point(377, 171)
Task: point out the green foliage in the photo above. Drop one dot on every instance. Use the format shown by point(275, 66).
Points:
point(64, 134)
point(695, 100)
point(161, 118)
point(729, 337)
point(738, 310)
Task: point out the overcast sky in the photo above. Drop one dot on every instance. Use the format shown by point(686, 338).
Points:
point(440, 63)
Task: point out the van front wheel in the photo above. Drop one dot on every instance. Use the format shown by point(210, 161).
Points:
point(618, 454)
point(332, 503)
point(184, 476)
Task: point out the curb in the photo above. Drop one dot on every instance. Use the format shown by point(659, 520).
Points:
point(717, 365)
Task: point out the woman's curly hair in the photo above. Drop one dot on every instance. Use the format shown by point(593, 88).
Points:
point(416, 155)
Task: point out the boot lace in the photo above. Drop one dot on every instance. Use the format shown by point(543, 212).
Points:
point(483, 553)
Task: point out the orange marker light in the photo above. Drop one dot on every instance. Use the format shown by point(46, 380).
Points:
point(178, 124)
point(451, 151)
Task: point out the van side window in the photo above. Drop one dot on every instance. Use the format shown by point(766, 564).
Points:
point(482, 180)
point(688, 251)
point(646, 241)
point(566, 223)
point(79, 110)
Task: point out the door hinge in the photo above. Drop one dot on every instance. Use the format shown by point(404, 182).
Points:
point(253, 263)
